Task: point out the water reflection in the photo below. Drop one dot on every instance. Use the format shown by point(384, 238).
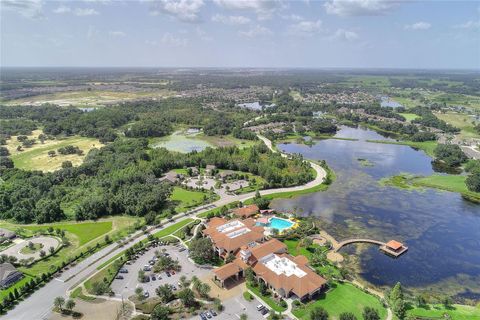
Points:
point(441, 229)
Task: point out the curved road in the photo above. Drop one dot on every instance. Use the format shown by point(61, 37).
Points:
point(40, 303)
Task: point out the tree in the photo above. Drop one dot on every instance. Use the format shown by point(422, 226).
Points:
point(473, 182)
point(397, 301)
point(184, 282)
point(70, 304)
point(249, 275)
point(160, 313)
point(59, 302)
point(51, 249)
point(263, 288)
point(139, 292)
point(370, 313)
point(187, 297)
point(347, 316)
point(42, 253)
point(67, 164)
point(451, 154)
point(165, 293)
point(318, 314)
point(447, 302)
point(201, 250)
point(203, 290)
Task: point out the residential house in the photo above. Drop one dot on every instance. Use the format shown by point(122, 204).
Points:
point(8, 275)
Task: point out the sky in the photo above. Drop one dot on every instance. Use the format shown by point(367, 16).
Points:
point(431, 34)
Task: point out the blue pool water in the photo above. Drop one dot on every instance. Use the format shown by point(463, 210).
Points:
point(279, 224)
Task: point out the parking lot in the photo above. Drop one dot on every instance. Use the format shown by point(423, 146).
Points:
point(126, 287)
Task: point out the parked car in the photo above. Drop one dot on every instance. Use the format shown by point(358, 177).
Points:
point(264, 311)
point(172, 272)
point(146, 279)
point(153, 277)
point(151, 262)
point(213, 312)
point(260, 307)
point(146, 294)
point(123, 270)
point(182, 249)
point(119, 277)
point(168, 274)
point(209, 315)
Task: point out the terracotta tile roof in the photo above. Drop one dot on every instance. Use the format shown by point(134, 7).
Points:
point(300, 286)
point(271, 246)
point(227, 271)
point(246, 229)
point(247, 211)
point(395, 245)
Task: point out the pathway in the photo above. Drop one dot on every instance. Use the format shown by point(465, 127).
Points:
point(39, 304)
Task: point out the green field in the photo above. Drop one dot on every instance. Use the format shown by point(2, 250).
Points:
point(426, 146)
point(267, 299)
point(28, 250)
point(85, 232)
point(185, 199)
point(456, 312)
point(342, 298)
point(295, 249)
point(18, 285)
point(461, 121)
point(409, 116)
point(37, 158)
point(454, 183)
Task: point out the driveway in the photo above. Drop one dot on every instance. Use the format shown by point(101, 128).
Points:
point(46, 241)
point(126, 287)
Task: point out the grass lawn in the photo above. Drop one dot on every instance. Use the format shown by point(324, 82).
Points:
point(343, 297)
point(267, 299)
point(185, 199)
point(409, 116)
point(37, 158)
point(84, 231)
point(454, 183)
point(174, 227)
point(294, 249)
point(456, 312)
point(462, 121)
point(28, 250)
point(426, 146)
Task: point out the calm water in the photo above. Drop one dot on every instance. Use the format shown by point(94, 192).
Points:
point(441, 229)
point(181, 142)
point(387, 102)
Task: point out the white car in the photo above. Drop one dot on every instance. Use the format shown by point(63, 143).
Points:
point(260, 307)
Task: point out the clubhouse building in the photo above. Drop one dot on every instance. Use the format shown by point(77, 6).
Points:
point(245, 242)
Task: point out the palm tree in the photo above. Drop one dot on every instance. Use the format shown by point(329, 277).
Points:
point(184, 282)
point(70, 304)
point(58, 302)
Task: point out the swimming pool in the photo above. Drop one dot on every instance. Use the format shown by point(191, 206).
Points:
point(279, 224)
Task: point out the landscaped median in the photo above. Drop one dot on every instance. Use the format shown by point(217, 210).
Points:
point(342, 297)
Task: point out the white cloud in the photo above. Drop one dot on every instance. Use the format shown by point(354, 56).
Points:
point(203, 35)
point(344, 35)
point(62, 9)
point(305, 28)
point(92, 33)
point(472, 25)
point(421, 25)
point(77, 11)
point(27, 8)
point(264, 9)
point(360, 7)
point(257, 31)
point(292, 17)
point(231, 20)
point(184, 10)
point(117, 34)
point(85, 12)
point(168, 39)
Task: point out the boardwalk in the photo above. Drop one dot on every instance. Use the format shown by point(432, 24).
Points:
point(349, 241)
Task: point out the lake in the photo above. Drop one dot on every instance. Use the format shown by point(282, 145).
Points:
point(441, 229)
point(181, 142)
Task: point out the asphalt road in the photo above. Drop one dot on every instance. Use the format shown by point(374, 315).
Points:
point(40, 303)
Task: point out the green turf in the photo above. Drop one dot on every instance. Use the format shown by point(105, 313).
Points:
point(454, 183)
point(426, 146)
point(295, 249)
point(185, 199)
point(456, 312)
point(174, 227)
point(342, 298)
point(409, 116)
point(27, 250)
point(85, 232)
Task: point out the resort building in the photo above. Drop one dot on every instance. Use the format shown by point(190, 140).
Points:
point(8, 275)
point(284, 274)
point(246, 212)
point(228, 236)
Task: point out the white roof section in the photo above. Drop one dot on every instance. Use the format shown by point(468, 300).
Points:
point(282, 265)
point(238, 233)
point(230, 226)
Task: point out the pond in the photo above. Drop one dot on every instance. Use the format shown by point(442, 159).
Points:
point(181, 142)
point(387, 102)
point(441, 229)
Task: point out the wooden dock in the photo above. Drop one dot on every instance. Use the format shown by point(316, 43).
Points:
point(392, 248)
